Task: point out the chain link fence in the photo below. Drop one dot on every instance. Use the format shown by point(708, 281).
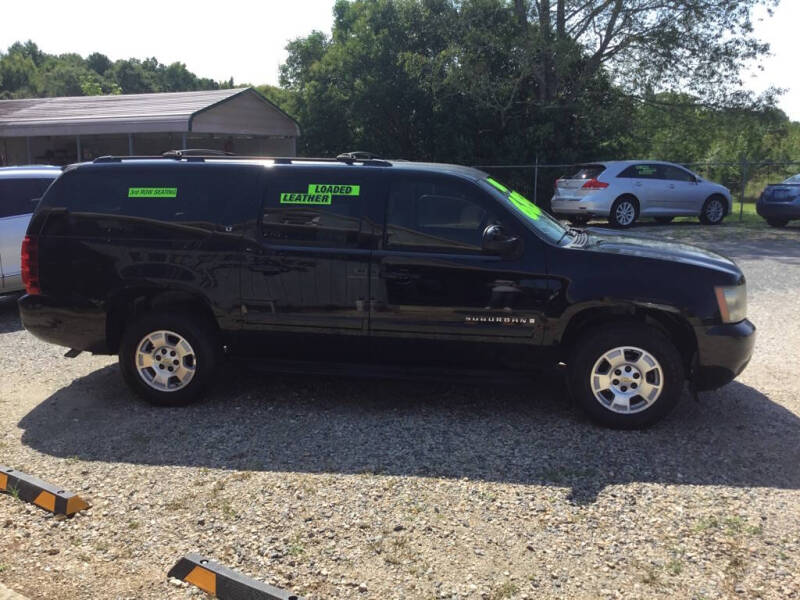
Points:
point(745, 179)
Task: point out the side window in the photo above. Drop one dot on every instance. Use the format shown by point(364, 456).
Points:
point(642, 171)
point(676, 173)
point(437, 215)
point(195, 195)
point(314, 210)
point(17, 195)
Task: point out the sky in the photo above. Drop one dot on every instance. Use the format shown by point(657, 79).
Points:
point(246, 39)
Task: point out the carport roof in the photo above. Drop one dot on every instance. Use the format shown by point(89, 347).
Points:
point(231, 111)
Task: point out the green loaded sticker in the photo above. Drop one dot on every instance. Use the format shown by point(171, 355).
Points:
point(290, 198)
point(334, 190)
point(152, 192)
point(320, 193)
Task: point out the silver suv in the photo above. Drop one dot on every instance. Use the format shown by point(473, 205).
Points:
point(20, 187)
point(623, 191)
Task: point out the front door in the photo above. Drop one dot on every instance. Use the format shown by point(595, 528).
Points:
point(435, 293)
point(307, 268)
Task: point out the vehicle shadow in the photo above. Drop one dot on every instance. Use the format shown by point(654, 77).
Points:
point(735, 436)
point(9, 314)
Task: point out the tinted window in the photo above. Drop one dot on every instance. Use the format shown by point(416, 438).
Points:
point(437, 215)
point(17, 195)
point(643, 171)
point(314, 209)
point(588, 172)
point(198, 195)
point(676, 173)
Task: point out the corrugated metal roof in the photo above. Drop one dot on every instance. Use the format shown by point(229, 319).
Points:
point(130, 113)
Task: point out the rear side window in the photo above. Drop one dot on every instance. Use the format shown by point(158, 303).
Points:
point(194, 195)
point(642, 171)
point(588, 172)
point(17, 195)
point(437, 215)
point(315, 209)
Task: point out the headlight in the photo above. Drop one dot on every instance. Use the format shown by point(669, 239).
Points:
point(732, 303)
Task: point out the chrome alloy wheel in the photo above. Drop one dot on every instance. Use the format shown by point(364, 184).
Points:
point(714, 211)
point(627, 380)
point(625, 213)
point(165, 361)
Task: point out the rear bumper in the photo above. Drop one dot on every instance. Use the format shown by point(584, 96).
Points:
point(595, 205)
point(723, 352)
point(778, 210)
point(63, 324)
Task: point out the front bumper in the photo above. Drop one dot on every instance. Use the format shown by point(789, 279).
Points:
point(723, 352)
point(82, 327)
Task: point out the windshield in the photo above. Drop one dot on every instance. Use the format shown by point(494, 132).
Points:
point(793, 179)
point(532, 215)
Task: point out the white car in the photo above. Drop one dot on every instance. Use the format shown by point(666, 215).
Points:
point(624, 191)
point(20, 187)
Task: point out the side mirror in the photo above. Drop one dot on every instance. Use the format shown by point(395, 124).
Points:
point(496, 240)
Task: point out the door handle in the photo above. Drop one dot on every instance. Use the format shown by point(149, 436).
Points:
point(672, 186)
point(399, 275)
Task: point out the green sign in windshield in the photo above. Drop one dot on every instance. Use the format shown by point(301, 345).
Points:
point(528, 208)
point(525, 205)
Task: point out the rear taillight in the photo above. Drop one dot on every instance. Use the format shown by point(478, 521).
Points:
point(555, 184)
point(594, 184)
point(30, 264)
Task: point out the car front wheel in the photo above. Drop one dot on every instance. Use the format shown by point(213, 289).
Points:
point(625, 376)
point(713, 211)
point(169, 359)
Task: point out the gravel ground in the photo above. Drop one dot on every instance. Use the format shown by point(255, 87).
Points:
point(344, 488)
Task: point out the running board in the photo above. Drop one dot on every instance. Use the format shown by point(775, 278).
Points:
point(373, 371)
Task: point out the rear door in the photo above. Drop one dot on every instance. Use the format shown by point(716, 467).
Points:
point(307, 267)
point(644, 180)
point(17, 197)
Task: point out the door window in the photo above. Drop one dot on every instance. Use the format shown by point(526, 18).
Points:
point(642, 171)
point(17, 195)
point(677, 174)
point(314, 210)
point(437, 215)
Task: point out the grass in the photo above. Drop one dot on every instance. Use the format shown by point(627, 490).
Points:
point(504, 590)
point(674, 567)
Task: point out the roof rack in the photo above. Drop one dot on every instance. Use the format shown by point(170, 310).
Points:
point(200, 155)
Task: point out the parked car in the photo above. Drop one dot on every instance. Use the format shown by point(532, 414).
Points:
point(168, 261)
point(624, 191)
point(779, 203)
point(19, 189)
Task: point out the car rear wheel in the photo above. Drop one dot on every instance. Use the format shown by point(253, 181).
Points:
point(624, 212)
point(713, 211)
point(777, 222)
point(664, 220)
point(625, 376)
point(168, 359)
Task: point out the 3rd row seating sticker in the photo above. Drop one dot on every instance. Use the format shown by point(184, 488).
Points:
point(152, 192)
point(320, 193)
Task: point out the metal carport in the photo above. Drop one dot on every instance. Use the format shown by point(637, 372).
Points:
point(65, 130)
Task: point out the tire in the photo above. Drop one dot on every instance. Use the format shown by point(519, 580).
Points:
point(664, 220)
point(181, 342)
point(624, 212)
point(589, 363)
point(777, 222)
point(714, 211)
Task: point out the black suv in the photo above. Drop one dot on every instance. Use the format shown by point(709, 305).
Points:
point(173, 262)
